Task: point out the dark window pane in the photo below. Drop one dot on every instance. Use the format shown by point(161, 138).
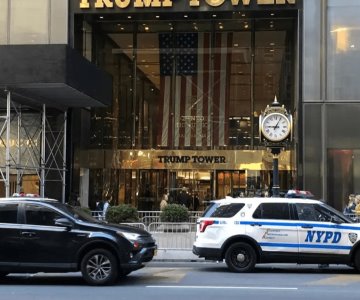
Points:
point(8, 213)
point(306, 212)
point(278, 211)
point(228, 210)
point(38, 215)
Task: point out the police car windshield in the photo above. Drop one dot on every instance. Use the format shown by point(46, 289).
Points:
point(338, 213)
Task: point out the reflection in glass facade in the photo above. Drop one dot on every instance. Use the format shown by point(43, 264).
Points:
point(185, 88)
point(198, 85)
point(330, 74)
point(33, 22)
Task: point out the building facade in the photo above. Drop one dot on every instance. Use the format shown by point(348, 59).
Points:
point(189, 80)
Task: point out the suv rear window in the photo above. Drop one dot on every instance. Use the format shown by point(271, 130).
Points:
point(279, 211)
point(218, 210)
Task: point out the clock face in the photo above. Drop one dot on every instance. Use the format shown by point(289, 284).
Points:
point(275, 127)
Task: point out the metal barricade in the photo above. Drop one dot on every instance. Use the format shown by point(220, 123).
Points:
point(98, 214)
point(175, 236)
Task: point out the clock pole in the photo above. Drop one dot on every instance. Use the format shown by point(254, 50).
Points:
point(274, 137)
point(276, 187)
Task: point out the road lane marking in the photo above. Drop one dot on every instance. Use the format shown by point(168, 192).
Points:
point(223, 287)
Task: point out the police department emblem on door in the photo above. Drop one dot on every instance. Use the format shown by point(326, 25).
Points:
point(353, 237)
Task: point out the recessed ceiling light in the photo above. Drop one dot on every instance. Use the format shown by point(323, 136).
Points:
point(129, 17)
point(101, 17)
point(185, 16)
point(214, 16)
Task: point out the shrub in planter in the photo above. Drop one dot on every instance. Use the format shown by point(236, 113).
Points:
point(174, 213)
point(122, 213)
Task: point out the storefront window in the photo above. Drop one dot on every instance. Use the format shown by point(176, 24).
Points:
point(188, 86)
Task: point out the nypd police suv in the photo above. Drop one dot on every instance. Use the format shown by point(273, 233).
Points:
point(247, 231)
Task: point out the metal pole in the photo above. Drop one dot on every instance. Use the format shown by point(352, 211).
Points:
point(64, 158)
point(43, 156)
point(7, 179)
point(276, 187)
point(18, 175)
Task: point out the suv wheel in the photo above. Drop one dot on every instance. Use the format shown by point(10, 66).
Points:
point(240, 257)
point(99, 267)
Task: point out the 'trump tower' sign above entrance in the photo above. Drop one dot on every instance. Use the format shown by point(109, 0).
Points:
point(101, 4)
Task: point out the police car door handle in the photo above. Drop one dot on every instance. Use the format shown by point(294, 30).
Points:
point(307, 226)
point(256, 224)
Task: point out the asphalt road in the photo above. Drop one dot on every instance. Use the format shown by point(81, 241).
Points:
point(185, 281)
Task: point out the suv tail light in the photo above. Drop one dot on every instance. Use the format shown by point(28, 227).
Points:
point(204, 224)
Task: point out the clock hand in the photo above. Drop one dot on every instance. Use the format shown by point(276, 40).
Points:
point(276, 126)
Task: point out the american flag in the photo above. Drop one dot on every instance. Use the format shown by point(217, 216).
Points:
point(194, 108)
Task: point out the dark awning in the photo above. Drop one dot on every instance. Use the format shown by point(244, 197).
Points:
point(55, 75)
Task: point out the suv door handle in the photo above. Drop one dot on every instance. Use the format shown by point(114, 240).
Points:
point(307, 226)
point(28, 233)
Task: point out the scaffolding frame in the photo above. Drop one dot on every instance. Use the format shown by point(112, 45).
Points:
point(36, 148)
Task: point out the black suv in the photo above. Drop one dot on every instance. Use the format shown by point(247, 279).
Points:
point(44, 235)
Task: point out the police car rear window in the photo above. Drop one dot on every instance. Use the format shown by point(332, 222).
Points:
point(217, 210)
point(279, 211)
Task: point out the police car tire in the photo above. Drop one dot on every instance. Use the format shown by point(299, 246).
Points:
point(357, 260)
point(240, 257)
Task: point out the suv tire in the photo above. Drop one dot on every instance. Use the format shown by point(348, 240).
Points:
point(99, 267)
point(240, 257)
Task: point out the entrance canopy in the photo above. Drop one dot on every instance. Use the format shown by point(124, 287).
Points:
point(54, 75)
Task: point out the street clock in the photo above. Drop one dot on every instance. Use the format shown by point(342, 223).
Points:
point(275, 124)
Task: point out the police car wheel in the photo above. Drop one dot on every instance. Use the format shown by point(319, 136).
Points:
point(240, 257)
point(357, 260)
